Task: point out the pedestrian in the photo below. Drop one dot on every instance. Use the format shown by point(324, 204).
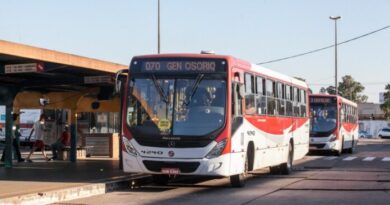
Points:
point(15, 139)
point(38, 130)
point(62, 142)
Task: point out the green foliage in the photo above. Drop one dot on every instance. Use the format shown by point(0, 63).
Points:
point(348, 88)
point(386, 104)
point(323, 90)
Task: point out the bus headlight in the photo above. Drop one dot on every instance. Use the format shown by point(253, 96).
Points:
point(129, 147)
point(332, 138)
point(217, 150)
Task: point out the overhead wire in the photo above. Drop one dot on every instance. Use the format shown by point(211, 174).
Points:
point(323, 48)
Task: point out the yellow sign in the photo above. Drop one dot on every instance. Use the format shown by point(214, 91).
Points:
point(164, 124)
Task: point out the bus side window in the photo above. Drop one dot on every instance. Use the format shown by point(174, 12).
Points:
point(237, 118)
point(261, 100)
point(236, 100)
point(250, 105)
point(270, 97)
point(289, 104)
point(296, 102)
point(280, 99)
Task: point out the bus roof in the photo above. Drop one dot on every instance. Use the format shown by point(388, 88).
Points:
point(274, 74)
point(234, 61)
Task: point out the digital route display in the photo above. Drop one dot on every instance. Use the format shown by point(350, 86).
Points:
point(179, 66)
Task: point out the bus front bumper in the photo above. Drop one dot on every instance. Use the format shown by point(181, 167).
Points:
point(219, 166)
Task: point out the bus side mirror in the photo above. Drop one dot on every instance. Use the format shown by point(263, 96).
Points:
point(241, 91)
point(118, 80)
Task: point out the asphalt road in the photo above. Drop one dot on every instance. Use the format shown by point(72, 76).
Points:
point(359, 178)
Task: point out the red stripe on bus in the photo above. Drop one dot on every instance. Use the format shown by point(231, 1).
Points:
point(276, 125)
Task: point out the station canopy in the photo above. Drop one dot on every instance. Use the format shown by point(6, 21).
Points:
point(29, 68)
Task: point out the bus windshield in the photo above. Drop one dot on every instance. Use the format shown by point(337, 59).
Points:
point(323, 117)
point(175, 106)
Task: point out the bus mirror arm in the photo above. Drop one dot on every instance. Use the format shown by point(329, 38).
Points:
point(118, 80)
point(241, 91)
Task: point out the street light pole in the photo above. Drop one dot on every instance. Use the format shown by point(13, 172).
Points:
point(335, 18)
point(158, 27)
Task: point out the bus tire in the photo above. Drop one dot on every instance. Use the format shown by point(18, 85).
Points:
point(274, 170)
point(286, 168)
point(238, 180)
point(160, 179)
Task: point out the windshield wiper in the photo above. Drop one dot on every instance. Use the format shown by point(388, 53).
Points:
point(193, 90)
point(160, 89)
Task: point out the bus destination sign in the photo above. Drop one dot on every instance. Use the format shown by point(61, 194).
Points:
point(323, 100)
point(184, 66)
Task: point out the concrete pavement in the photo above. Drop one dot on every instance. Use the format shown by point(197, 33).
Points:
point(48, 182)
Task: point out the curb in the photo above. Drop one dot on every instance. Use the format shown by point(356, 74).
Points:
point(66, 194)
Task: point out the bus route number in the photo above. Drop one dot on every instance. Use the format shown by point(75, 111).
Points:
point(152, 66)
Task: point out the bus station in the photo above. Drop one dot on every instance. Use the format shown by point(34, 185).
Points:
point(67, 89)
point(71, 91)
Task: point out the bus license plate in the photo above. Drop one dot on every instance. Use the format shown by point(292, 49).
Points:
point(172, 171)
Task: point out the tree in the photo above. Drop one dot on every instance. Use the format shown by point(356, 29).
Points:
point(351, 89)
point(323, 90)
point(331, 90)
point(348, 88)
point(386, 104)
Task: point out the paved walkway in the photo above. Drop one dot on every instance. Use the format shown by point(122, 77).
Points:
point(40, 177)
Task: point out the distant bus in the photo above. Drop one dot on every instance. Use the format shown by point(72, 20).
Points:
point(26, 121)
point(212, 115)
point(334, 123)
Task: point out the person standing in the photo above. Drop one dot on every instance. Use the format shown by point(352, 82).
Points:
point(38, 130)
point(15, 139)
point(62, 142)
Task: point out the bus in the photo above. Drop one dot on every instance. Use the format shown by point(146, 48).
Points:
point(210, 115)
point(26, 121)
point(334, 123)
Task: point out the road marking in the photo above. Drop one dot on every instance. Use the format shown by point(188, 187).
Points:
point(330, 158)
point(349, 158)
point(368, 158)
point(386, 159)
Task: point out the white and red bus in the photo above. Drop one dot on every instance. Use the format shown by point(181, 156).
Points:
point(214, 115)
point(334, 123)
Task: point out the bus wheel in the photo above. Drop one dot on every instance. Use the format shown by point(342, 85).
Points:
point(160, 179)
point(275, 170)
point(238, 180)
point(286, 168)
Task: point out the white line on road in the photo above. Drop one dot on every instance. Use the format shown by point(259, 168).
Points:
point(349, 158)
point(330, 158)
point(386, 159)
point(368, 158)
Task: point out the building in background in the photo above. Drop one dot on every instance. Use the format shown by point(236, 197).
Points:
point(370, 111)
point(372, 118)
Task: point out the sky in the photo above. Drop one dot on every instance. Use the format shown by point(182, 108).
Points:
point(253, 30)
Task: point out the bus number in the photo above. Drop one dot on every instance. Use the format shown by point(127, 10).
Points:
point(152, 66)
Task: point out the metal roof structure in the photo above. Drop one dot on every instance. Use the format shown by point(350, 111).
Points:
point(60, 71)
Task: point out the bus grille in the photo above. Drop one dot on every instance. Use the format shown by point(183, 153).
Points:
point(185, 167)
point(178, 144)
point(318, 146)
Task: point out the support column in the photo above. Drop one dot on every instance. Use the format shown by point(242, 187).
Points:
point(7, 96)
point(73, 136)
point(8, 137)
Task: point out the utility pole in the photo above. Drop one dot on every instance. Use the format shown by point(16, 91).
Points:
point(335, 18)
point(158, 26)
